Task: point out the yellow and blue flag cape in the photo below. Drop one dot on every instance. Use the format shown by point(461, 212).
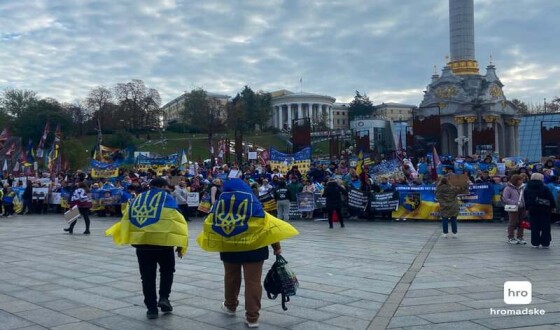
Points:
point(239, 223)
point(152, 218)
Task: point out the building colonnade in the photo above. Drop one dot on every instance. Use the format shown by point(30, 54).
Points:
point(284, 113)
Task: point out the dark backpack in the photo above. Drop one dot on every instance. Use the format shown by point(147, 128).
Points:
point(280, 281)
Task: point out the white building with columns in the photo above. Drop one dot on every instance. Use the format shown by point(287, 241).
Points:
point(288, 106)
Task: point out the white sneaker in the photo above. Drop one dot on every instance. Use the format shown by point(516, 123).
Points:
point(227, 310)
point(251, 325)
point(444, 235)
point(521, 241)
point(455, 235)
point(513, 241)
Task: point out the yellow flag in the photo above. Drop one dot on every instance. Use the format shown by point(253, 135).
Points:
point(239, 223)
point(152, 218)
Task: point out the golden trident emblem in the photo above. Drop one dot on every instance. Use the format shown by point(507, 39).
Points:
point(145, 207)
point(227, 216)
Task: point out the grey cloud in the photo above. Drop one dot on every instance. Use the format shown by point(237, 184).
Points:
point(386, 49)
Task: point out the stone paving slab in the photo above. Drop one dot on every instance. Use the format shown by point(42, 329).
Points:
point(399, 274)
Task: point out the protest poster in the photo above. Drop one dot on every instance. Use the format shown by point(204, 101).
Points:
point(357, 200)
point(306, 202)
point(40, 193)
point(55, 198)
point(294, 211)
point(320, 201)
point(193, 199)
point(386, 201)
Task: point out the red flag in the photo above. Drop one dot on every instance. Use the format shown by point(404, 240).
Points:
point(41, 146)
point(5, 135)
point(11, 150)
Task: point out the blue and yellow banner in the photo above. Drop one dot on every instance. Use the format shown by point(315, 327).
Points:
point(284, 162)
point(238, 222)
point(419, 202)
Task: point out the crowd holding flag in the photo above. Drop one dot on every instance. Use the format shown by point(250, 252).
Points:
point(41, 146)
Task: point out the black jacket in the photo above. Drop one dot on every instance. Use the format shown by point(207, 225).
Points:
point(534, 189)
point(333, 195)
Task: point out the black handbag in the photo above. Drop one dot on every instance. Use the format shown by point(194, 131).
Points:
point(280, 280)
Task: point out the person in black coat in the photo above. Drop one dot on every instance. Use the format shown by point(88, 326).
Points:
point(27, 198)
point(333, 198)
point(535, 196)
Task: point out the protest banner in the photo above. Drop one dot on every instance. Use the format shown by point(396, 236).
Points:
point(357, 199)
point(97, 173)
point(386, 201)
point(419, 202)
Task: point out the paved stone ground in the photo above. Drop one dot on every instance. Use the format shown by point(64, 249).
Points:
point(369, 275)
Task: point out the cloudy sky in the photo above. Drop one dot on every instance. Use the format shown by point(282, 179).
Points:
point(384, 48)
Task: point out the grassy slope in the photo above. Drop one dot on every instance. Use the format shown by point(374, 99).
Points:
point(176, 142)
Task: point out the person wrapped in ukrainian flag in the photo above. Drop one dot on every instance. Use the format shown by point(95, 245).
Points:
point(241, 231)
point(154, 226)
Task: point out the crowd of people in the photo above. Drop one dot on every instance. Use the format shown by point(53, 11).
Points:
point(525, 192)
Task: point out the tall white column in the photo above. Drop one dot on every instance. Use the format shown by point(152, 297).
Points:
point(289, 115)
point(280, 122)
point(469, 135)
point(496, 138)
point(299, 111)
point(461, 142)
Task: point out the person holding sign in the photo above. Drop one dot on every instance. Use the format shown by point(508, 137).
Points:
point(446, 195)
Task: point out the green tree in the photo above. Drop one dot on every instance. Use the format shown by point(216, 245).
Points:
point(251, 111)
point(31, 122)
point(361, 106)
point(204, 114)
point(521, 106)
point(139, 106)
point(16, 101)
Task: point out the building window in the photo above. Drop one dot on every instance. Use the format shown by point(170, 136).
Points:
point(338, 121)
point(343, 121)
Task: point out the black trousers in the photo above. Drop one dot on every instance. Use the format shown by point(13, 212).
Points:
point(84, 212)
point(8, 209)
point(338, 211)
point(184, 208)
point(540, 229)
point(148, 259)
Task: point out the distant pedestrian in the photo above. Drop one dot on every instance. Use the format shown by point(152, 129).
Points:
point(81, 199)
point(446, 195)
point(539, 201)
point(282, 195)
point(8, 197)
point(513, 195)
point(333, 199)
